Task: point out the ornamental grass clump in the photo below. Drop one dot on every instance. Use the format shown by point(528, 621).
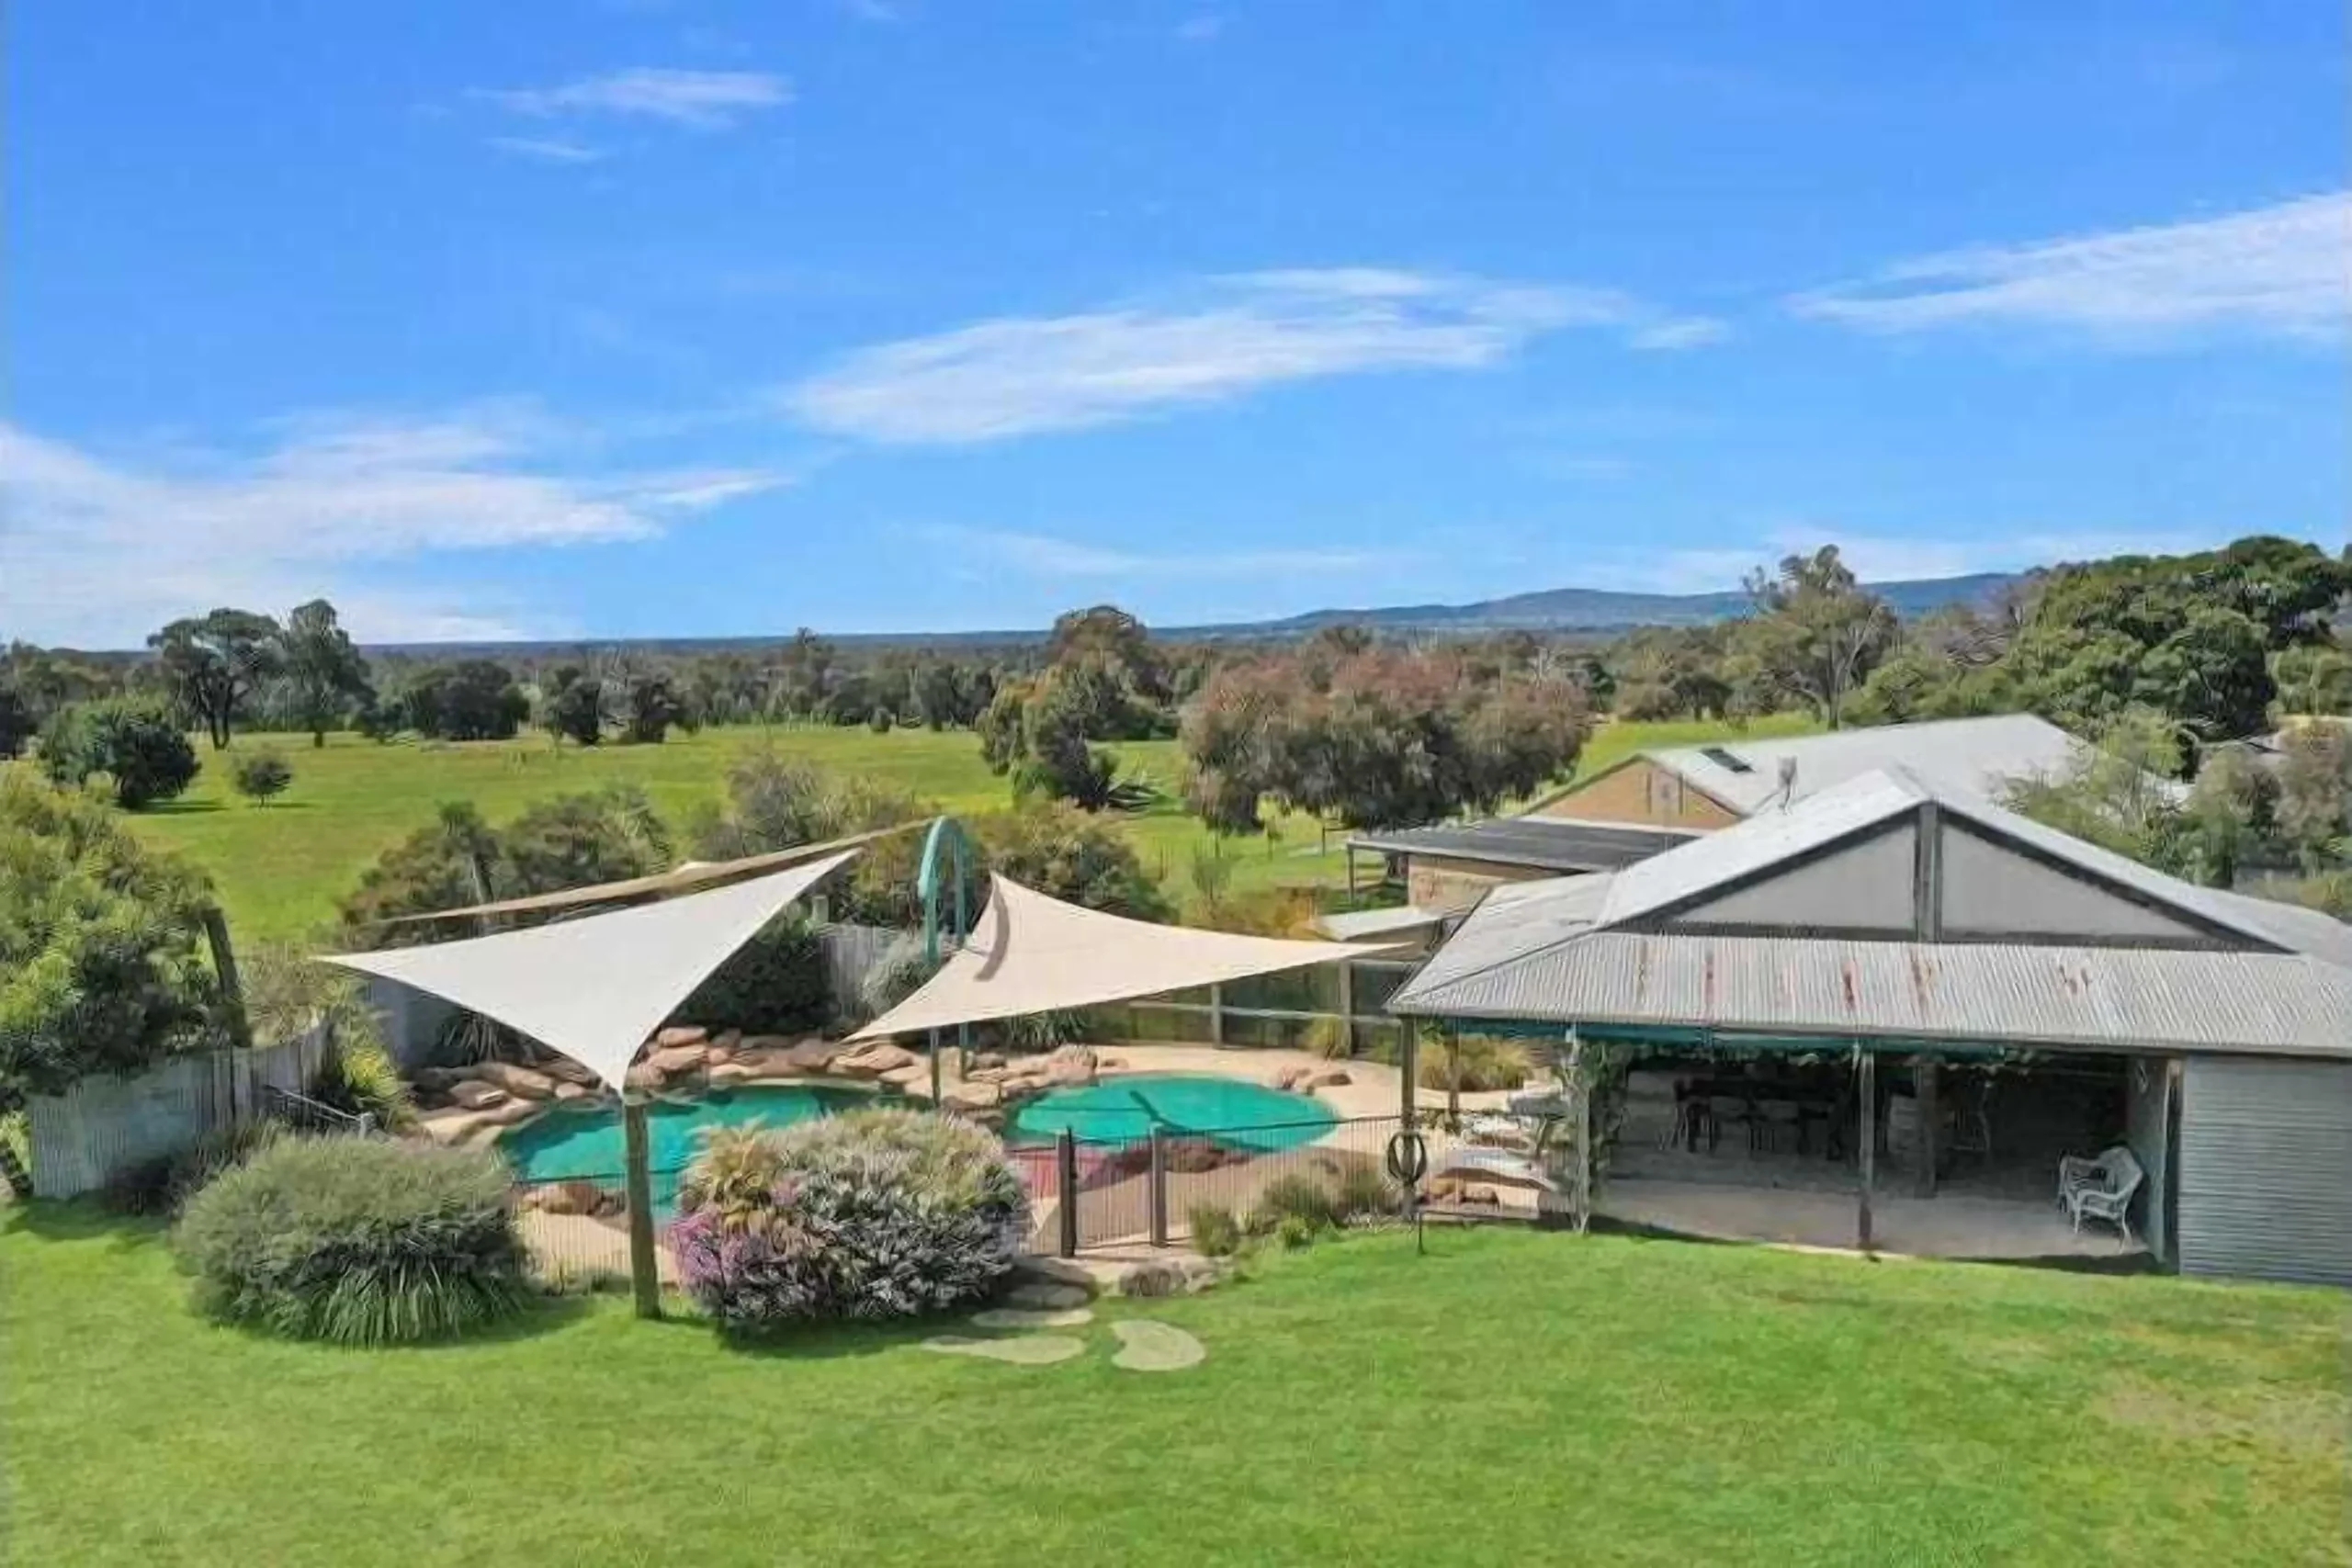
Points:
point(358, 1241)
point(869, 1215)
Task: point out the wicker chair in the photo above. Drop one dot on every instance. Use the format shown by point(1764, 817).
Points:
point(2101, 1189)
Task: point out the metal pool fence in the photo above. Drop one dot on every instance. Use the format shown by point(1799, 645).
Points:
point(1096, 1193)
point(1085, 1193)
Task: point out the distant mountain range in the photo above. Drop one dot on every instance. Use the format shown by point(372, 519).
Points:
point(1551, 609)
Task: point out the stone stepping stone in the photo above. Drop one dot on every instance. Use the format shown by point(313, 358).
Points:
point(1039, 1295)
point(1031, 1317)
point(1027, 1351)
point(1147, 1347)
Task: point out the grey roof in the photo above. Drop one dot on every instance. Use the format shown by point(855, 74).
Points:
point(1357, 925)
point(1976, 754)
point(1559, 950)
point(2095, 998)
point(1546, 844)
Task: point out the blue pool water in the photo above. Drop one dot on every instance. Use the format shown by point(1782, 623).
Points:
point(1237, 1112)
point(567, 1142)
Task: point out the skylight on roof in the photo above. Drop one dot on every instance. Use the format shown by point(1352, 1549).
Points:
point(1727, 759)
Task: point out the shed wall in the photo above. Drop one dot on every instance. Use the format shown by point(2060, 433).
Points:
point(2265, 1169)
point(1639, 792)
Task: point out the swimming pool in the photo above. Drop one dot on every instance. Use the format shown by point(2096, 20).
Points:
point(587, 1143)
point(1237, 1112)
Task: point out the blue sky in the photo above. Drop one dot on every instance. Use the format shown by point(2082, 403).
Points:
point(658, 317)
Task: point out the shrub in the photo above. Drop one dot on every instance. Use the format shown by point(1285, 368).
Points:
point(1295, 1231)
point(360, 1241)
point(136, 744)
point(774, 984)
point(257, 775)
point(1325, 1037)
point(1215, 1232)
point(873, 1214)
point(162, 1185)
point(1483, 1061)
point(1364, 1192)
point(1296, 1198)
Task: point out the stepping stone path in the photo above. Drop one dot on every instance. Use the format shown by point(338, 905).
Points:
point(1031, 1317)
point(1027, 1351)
point(1041, 1296)
point(1147, 1347)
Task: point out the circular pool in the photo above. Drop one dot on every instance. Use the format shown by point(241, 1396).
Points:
point(586, 1143)
point(1236, 1112)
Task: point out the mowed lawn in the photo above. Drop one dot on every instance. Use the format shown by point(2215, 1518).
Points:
point(1511, 1398)
point(280, 867)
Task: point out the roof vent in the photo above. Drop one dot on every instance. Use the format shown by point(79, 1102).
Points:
point(1726, 761)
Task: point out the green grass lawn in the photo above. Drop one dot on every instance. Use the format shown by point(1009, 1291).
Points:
point(1511, 1398)
point(280, 867)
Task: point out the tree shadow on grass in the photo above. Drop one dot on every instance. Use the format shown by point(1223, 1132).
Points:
point(177, 807)
point(82, 1219)
point(839, 1341)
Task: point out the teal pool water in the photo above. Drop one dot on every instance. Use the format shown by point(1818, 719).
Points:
point(1235, 1110)
point(587, 1143)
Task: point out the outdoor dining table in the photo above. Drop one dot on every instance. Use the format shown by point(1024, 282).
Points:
point(1813, 1103)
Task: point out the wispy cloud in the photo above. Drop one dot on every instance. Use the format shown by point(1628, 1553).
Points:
point(1205, 28)
point(1680, 333)
point(1046, 555)
point(99, 551)
point(702, 100)
point(545, 150)
point(1218, 340)
point(2281, 271)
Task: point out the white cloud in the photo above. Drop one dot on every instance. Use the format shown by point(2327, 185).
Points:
point(2283, 270)
point(704, 100)
point(1222, 338)
point(1046, 555)
point(1681, 333)
point(97, 552)
point(545, 149)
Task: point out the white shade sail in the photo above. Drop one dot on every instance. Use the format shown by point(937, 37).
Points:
point(1032, 955)
point(595, 987)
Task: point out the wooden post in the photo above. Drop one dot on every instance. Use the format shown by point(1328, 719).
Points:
point(1216, 1015)
point(225, 968)
point(1159, 1185)
point(934, 1070)
point(644, 1270)
point(1065, 1190)
point(1866, 1134)
point(1346, 1008)
point(1925, 1081)
point(1408, 1063)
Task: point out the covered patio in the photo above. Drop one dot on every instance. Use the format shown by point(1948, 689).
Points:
point(1898, 1017)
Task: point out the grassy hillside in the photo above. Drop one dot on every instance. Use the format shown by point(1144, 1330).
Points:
point(280, 867)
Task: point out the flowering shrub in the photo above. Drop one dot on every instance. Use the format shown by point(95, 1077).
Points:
point(872, 1215)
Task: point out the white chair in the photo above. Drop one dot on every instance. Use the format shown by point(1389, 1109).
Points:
point(2101, 1189)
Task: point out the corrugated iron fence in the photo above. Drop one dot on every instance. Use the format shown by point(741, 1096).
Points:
point(102, 1126)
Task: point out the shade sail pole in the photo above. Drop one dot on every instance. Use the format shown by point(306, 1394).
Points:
point(644, 1270)
point(947, 833)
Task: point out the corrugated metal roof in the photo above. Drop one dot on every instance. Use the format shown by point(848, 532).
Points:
point(1537, 841)
point(1356, 925)
point(1978, 754)
point(2116, 998)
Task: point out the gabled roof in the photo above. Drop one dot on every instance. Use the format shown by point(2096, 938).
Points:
point(1543, 842)
point(1589, 948)
point(1743, 774)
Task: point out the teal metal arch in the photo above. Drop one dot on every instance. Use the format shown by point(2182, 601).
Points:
point(946, 839)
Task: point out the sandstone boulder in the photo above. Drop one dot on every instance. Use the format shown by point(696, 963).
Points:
point(680, 1034)
point(988, 1058)
point(568, 1093)
point(644, 1076)
point(523, 1083)
point(872, 1061)
point(563, 1069)
point(508, 1114)
point(571, 1198)
point(731, 1072)
point(1287, 1078)
point(814, 1054)
point(1071, 1066)
point(972, 1095)
point(436, 1078)
point(473, 1094)
point(727, 1039)
point(912, 1078)
point(1326, 1077)
point(677, 1060)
